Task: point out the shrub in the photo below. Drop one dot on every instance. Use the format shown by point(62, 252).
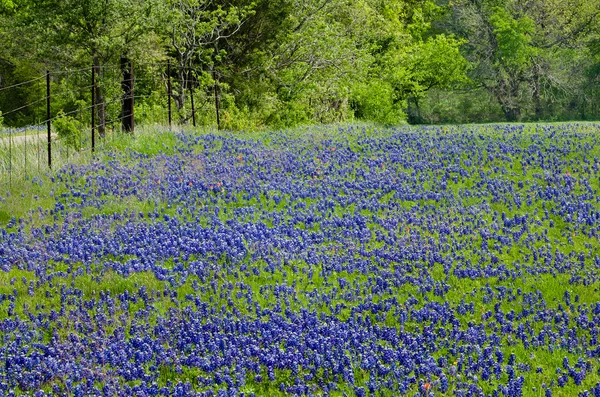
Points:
point(69, 130)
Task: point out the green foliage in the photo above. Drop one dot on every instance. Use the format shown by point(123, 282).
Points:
point(6, 6)
point(437, 63)
point(292, 62)
point(376, 102)
point(151, 109)
point(289, 113)
point(514, 36)
point(69, 130)
point(531, 57)
point(440, 106)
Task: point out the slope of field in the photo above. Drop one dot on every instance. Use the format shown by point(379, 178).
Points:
point(446, 261)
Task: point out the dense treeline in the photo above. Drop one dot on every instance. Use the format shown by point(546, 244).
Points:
point(289, 62)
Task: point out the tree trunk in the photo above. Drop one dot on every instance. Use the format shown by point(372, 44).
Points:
point(537, 92)
point(512, 114)
point(414, 110)
point(182, 75)
point(507, 94)
point(127, 116)
point(100, 111)
point(217, 99)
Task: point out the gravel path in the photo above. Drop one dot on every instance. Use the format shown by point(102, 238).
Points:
point(26, 138)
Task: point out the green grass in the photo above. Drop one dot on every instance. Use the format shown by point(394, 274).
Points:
point(25, 189)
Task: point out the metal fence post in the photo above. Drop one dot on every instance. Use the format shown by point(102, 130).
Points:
point(93, 108)
point(217, 100)
point(193, 107)
point(10, 157)
point(48, 121)
point(169, 91)
point(38, 148)
point(25, 160)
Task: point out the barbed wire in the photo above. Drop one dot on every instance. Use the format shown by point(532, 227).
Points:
point(70, 71)
point(68, 86)
point(24, 106)
point(22, 83)
point(101, 67)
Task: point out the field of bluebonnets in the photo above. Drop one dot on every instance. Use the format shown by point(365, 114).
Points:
point(325, 261)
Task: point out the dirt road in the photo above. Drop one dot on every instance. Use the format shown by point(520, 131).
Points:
point(21, 139)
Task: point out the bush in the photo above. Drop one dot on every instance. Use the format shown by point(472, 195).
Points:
point(69, 130)
point(375, 102)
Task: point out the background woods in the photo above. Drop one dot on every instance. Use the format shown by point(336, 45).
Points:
point(289, 62)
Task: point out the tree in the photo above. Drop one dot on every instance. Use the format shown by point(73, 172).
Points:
point(198, 29)
point(329, 60)
point(77, 31)
point(409, 58)
point(514, 47)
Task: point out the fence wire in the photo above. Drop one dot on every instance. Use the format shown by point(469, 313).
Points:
point(26, 152)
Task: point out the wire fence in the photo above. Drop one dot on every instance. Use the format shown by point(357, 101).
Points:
point(79, 111)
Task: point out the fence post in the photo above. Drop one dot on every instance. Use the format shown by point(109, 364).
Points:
point(127, 86)
point(93, 108)
point(25, 162)
point(10, 157)
point(217, 101)
point(38, 149)
point(193, 107)
point(169, 93)
point(132, 98)
point(48, 121)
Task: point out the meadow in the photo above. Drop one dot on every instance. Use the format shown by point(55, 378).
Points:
point(320, 261)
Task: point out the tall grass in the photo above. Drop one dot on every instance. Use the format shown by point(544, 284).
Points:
point(26, 180)
point(24, 154)
point(21, 154)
